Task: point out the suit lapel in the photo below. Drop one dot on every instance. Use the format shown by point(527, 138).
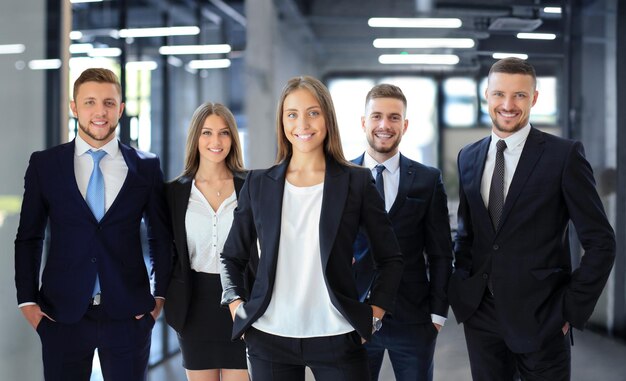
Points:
point(336, 185)
point(407, 177)
point(271, 192)
point(130, 157)
point(182, 191)
point(66, 164)
point(533, 149)
point(473, 192)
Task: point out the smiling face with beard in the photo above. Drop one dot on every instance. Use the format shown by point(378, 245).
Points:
point(510, 98)
point(98, 108)
point(384, 125)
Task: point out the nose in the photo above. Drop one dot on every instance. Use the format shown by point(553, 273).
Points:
point(302, 123)
point(509, 103)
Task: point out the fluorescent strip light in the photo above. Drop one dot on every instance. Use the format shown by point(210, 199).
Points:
point(556, 10)
point(426, 59)
point(209, 64)
point(141, 65)
point(105, 52)
point(80, 48)
point(406, 43)
point(45, 64)
point(84, 1)
point(174, 61)
point(12, 49)
point(195, 49)
point(499, 56)
point(536, 36)
point(76, 35)
point(160, 32)
point(393, 22)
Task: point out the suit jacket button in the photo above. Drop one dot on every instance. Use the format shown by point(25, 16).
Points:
point(496, 247)
point(93, 260)
point(485, 276)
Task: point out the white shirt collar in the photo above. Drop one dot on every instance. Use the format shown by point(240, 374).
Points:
point(513, 141)
point(112, 148)
point(392, 164)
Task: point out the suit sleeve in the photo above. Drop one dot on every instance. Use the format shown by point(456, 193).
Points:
point(159, 233)
point(384, 246)
point(30, 236)
point(464, 234)
point(237, 248)
point(595, 234)
point(438, 248)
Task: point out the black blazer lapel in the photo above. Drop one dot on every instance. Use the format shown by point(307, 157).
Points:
point(181, 193)
point(407, 176)
point(336, 185)
point(270, 206)
point(475, 176)
point(533, 149)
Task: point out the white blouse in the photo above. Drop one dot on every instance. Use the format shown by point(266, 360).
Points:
point(300, 304)
point(207, 230)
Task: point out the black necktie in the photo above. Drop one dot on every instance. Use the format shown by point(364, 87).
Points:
point(380, 184)
point(496, 192)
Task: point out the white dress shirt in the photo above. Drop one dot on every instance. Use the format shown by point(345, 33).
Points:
point(207, 230)
point(514, 147)
point(391, 180)
point(300, 305)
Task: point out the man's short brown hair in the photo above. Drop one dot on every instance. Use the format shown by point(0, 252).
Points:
point(99, 75)
point(386, 90)
point(512, 65)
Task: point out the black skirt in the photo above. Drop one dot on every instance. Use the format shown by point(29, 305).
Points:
point(205, 339)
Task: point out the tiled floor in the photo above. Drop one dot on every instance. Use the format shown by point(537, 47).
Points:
point(594, 357)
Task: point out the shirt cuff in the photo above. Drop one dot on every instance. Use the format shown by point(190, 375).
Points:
point(159, 297)
point(438, 319)
point(26, 304)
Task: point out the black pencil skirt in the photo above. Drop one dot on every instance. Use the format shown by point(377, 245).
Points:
point(205, 339)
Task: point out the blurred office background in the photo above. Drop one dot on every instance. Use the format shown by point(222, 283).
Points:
point(173, 55)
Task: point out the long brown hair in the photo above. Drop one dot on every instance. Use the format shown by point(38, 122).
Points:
point(332, 142)
point(234, 160)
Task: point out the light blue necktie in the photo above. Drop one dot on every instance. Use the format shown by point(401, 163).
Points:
point(95, 196)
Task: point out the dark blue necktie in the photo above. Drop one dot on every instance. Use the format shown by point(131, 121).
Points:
point(380, 183)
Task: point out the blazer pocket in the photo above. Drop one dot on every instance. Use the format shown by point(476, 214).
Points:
point(541, 274)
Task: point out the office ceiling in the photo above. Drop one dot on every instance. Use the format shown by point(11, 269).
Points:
point(340, 30)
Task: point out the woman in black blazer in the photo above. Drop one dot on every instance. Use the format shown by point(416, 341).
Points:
point(304, 214)
point(201, 203)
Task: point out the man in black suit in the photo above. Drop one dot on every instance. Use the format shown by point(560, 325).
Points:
point(513, 285)
point(416, 202)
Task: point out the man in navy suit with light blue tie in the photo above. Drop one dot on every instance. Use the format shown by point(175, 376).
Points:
point(92, 194)
point(416, 201)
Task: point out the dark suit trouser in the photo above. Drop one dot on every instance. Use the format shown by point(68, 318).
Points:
point(123, 347)
point(411, 349)
point(492, 360)
point(330, 358)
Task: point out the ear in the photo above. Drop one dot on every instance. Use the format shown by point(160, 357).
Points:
point(121, 109)
point(406, 125)
point(73, 108)
point(535, 96)
point(363, 123)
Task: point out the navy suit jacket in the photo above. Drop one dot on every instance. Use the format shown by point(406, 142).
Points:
point(180, 290)
point(80, 246)
point(350, 200)
point(419, 216)
point(528, 255)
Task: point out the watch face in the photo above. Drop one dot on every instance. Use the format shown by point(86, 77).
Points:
point(377, 323)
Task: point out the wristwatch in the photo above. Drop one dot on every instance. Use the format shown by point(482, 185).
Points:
point(377, 324)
